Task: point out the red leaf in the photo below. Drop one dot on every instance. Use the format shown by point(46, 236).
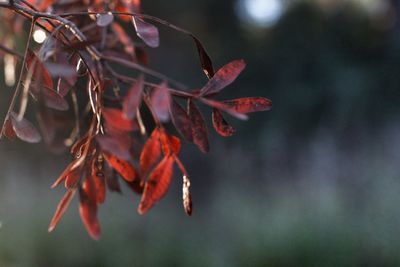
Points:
point(169, 142)
point(50, 98)
point(199, 128)
point(24, 129)
point(157, 184)
point(32, 61)
point(116, 119)
point(8, 130)
point(118, 144)
point(160, 102)
point(61, 208)
point(147, 32)
point(133, 98)
point(224, 107)
point(249, 104)
point(220, 125)
point(224, 77)
point(205, 59)
point(181, 121)
point(72, 178)
point(88, 212)
point(151, 152)
point(123, 167)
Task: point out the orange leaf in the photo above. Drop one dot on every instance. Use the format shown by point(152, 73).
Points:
point(170, 142)
point(115, 118)
point(123, 167)
point(157, 184)
point(88, 212)
point(61, 208)
point(151, 152)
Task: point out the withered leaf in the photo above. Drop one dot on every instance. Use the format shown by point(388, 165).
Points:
point(147, 32)
point(249, 104)
point(133, 99)
point(220, 125)
point(223, 77)
point(24, 129)
point(199, 128)
point(181, 121)
point(160, 101)
point(123, 167)
point(61, 208)
point(157, 184)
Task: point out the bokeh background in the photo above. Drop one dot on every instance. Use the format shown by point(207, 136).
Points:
point(314, 182)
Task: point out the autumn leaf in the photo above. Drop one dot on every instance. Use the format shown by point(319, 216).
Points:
point(170, 144)
point(123, 167)
point(61, 208)
point(199, 128)
point(133, 99)
point(249, 104)
point(205, 59)
point(88, 213)
point(160, 101)
point(220, 125)
point(181, 121)
point(32, 61)
point(157, 184)
point(223, 77)
point(24, 129)
point(118, 144)
point(115, 118)
point(151, 152)
point(147, 32)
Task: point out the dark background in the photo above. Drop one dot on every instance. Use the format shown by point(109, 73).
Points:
point(314, 182)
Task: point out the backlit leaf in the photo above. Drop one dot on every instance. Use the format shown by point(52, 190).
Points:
point(181, 121)
point(220, 125)
point(160, 102)
point(88, 212)
point(133, 99)
point(249, 104)
point(24, 129)
point(118, 144)
point(147, 32)
point(151, 152)
point(199, 128)
point(115, 118)
point(123, 167)
point(32, 61)
point(61, 208)
point(104, 20)
point(170, 144)
point(223, 77)
point(157, 184)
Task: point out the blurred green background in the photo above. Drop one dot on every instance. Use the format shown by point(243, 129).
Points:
point(314, 182)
